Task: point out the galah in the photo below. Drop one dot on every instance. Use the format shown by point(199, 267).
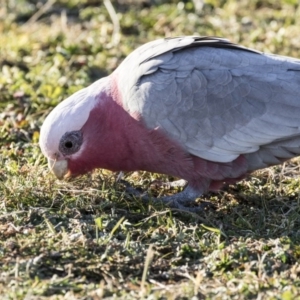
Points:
point(199, 108)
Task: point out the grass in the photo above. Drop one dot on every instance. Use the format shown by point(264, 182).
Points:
point(84, 239)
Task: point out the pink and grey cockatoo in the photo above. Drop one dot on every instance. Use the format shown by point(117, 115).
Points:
point(198, 108)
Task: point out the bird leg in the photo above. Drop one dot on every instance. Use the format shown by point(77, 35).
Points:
point(178, 201)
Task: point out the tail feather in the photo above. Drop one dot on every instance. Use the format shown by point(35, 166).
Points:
point(273, 154)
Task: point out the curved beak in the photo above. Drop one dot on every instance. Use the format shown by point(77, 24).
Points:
point(58, 167)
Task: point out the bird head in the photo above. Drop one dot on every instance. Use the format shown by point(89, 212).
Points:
point(62, 136)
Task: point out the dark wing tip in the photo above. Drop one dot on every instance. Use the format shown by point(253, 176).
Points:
point(211, 41)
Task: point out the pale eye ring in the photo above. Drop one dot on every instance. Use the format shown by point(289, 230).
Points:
point(70, 142)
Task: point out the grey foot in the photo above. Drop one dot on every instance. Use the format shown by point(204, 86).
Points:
point(178, 201)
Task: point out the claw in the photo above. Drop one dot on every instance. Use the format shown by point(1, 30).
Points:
point(178, 201)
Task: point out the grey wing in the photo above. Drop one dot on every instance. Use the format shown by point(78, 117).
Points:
point(219, 102)
point(148, 58)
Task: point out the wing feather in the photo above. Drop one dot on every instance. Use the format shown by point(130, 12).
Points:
point(217, 99)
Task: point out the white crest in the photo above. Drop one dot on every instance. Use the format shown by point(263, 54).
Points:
point(70, 115)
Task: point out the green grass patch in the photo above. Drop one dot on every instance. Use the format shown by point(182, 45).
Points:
point(84, 239)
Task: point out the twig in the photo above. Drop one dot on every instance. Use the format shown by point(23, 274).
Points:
point(115, 20)
point(148, 260)
point(43, 9)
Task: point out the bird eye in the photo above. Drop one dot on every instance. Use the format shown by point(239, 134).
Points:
point(70, 142)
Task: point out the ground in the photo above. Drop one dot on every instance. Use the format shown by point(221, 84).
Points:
point(85, 239)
